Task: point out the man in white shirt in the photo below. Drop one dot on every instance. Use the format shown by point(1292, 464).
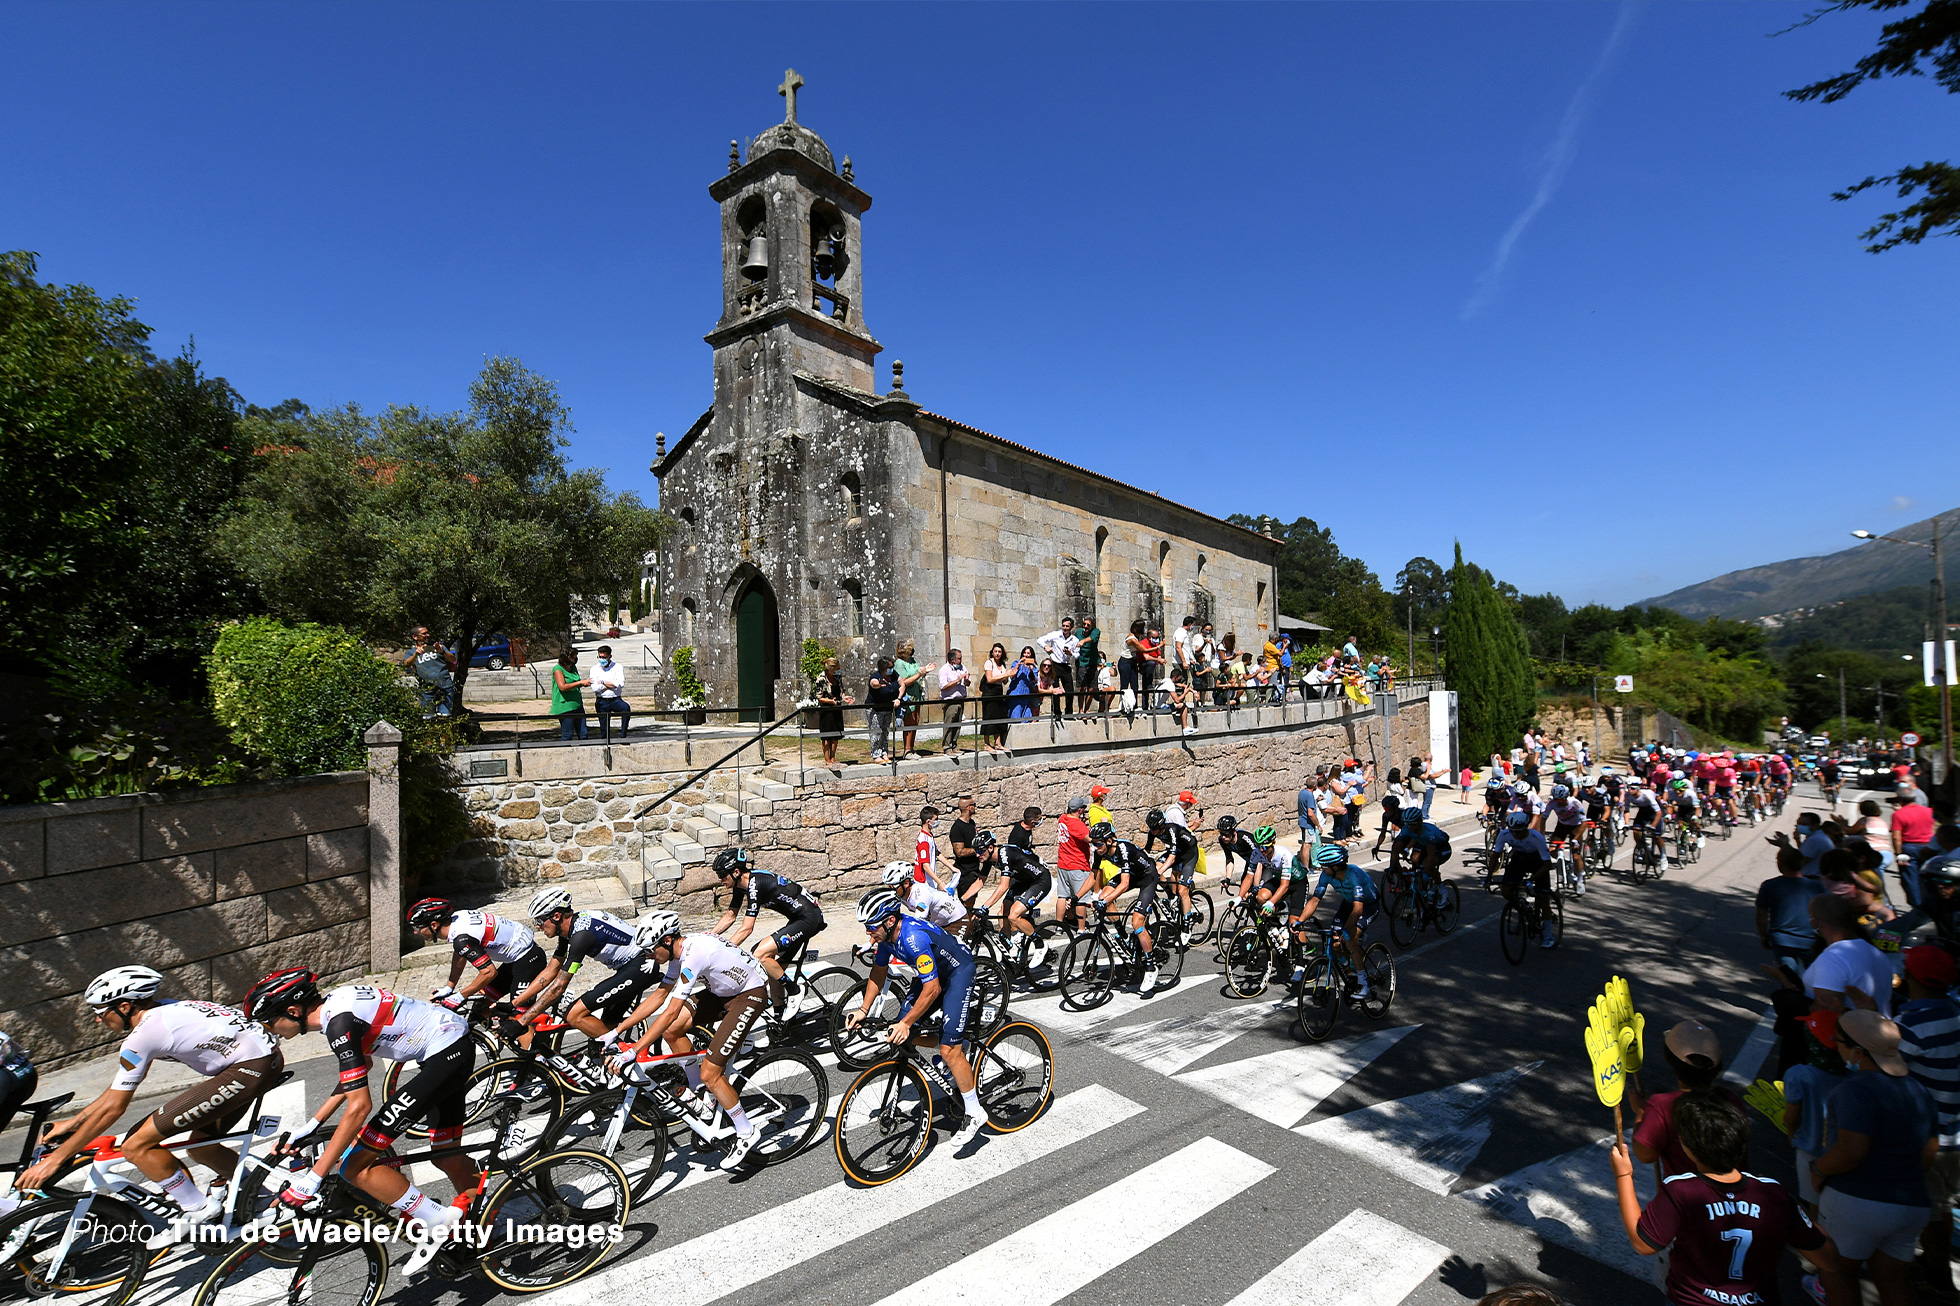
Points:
point(1849, 970)
point(953, 679)
point(1060, 647)
point(609, 691)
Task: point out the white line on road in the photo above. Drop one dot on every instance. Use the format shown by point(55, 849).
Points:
point(1044, 1262)
point(1168, 1046)
point(1284, 1087)
point(1362, 1261)
point(1429, 1139)
point(737, 1255)
point(1750, 1059)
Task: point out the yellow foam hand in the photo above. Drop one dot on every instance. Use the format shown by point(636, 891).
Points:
point(1768, 1098)
point(1603, 1047)
point(1633, 1043)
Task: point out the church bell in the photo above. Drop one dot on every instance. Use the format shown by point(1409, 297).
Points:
point(756, 265)
point(828, 250)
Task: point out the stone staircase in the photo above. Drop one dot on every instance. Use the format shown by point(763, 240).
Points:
point(671, 854)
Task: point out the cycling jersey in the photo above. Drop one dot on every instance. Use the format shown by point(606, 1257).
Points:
point(1429, 839)
point(926, 948)
point(1565, 813)
point(205, 1036)
point(597, 934)
point(931, 903)
point(1346, 881)
point(710, 962)
point(486, 939)
point(1182, 843)
point(1136, 863)
point(362, 1021)
point(1645, 808)
point(1595, 803)
point(1611, 784)
point(778, 893)
point(1240, 846)
point(1529, 844)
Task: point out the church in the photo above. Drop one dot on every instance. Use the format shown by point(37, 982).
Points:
point(811, 505)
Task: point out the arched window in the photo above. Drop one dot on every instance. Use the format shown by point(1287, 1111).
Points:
point(854, 614)
point(687, 621)
point(687, 515)
point(1201, 569)
point(853, 492)
point(1102, 572)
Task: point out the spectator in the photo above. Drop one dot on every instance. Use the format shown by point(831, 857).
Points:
point(1060, 647)
point(911, 692)
point(432, 666)
point(1521, 1294)
point(1204, 662)
point(1151, 666)
point(995, 673)
point(1695, 1057)
point(1106, 683)
point(1098, 813)
point(1050, 689)
point(881, 698)
point(966, 858)
point(1929, 1040)
point(608, 682)
point(1310, 818)
point(1283, 677)
point(1848, 964)
point(1072, 854)
point(925, 848)
point(1184, 701)
point(953, 680)
point(1810, 840)
point(1807, 1086)
point(1726, 1230)
point(1129, 667)
point(1180, 651)
point(567, 703)
point(1088, 665)
point(1869, 826)
point(1421, 777)
point(1022, 835)
point(831, 701)
point(1024, 688)
point(1912, 839)
point(1882, 1130)
point(1783, 914)
point(1350, 652)
point(1946, 846)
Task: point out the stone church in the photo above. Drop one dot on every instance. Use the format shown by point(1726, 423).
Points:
point(813, 506)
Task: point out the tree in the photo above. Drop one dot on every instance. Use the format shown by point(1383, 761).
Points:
point(1317, 580)
point(1486, 662)
point(1931, 35)
point(469, 523)
point(1423, 588)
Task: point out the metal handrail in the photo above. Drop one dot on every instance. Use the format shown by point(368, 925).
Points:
point(757, 737)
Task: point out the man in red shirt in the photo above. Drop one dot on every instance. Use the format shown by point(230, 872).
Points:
point(1912, 841)
point(1072, 858)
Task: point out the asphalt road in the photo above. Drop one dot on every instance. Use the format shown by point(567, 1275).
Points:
point(1198, 1152)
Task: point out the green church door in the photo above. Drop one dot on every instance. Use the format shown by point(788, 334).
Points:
point(755, 653)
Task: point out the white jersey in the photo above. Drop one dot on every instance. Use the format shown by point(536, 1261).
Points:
point(401, 1029)
point(205, 1036)
point(933, 904)
point(499, 938)
point(711, 962)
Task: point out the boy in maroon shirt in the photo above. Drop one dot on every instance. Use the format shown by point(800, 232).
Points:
point(1727, 1229)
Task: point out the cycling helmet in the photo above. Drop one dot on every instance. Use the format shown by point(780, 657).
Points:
point(897, 873)
point(281, 990)
point(657, 929)
point(123, 984)
point(1265, 836)
point(1103, 832)
point(730, 860)
point(1606, 770)
point(550, 901)
point(1520, 787)
point(1153, 818)
point(1519, 819)
point(1679, 785)
point(1227, 824)
point(1412, 820)
point(1560, 791)
point(1329, 854)
point(877, 907)
point(985, 840)
point(430, 911)
point(1945, 870)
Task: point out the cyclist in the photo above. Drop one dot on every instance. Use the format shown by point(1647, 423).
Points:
point(1598, 803)
point(1026, 884)
point(803, 919)
point(236, 1058)
point(926, 900)
point(1134, 870)
point(1352, 892)
point(945, 969)
point(360, 1022)
point(581, 935)
point(1424, 846)
point(1687, 810)
point(1779, 777)
point(1179, 863)
point(1529, 855)
point(507, 958)
point(1237, 844)
point(736, 988)
point(1827, 779)
point(1564, 821)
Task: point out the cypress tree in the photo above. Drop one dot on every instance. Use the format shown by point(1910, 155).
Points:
point(1486, 663)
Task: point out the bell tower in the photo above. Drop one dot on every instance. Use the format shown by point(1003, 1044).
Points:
point(792, 275)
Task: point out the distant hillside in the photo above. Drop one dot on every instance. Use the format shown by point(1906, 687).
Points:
point(1887, 623)
point(1808, 582)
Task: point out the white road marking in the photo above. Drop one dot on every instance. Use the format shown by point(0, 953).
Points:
point(1045, 1261)
point(1284, 1087)
point(748, 1251)
point(1364, 1260)
point(1429, 1139)
point(1570, 1200)
point(1754, 1051)
point(1168, 1046)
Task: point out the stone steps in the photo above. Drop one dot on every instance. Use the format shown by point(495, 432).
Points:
point(681, 848)
point(704, 831)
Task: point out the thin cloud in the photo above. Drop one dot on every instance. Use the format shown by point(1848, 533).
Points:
point(1900, 503)
point(1564, 147)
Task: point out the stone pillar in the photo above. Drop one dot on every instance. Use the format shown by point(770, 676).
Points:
point(384, 847)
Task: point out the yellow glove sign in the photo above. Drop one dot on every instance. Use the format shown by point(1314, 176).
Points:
point(1768, 1098)
point(1608, 1062)
point(1618, 998)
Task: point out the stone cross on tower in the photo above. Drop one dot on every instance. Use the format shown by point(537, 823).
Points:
point(791, 84)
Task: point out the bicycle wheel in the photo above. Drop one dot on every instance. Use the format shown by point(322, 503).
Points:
point(1227, 924)
point(1319, 1000)
point(826, 985)
point(1248, 962)
point(337, 1266)
point(525, 1103)
point(860, 1047)
point(1203, 919)
point(1168, 958)
point(785, 1093)
point(1378, 964)
point(1014, 1074)
point(1555, 921)
point(884, 1122)
point(1047, 973)
point(103, 1265)
point(1404, 918)
point(1511, 933)
point(639, 1150)
point(542, 1219)
point(990, 995)
point(1449, 908)
point(1088, 972)
point(475, 1105)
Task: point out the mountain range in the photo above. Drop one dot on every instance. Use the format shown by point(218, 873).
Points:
point(1786, 587)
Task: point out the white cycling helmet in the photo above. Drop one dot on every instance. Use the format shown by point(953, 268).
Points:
point(1606, 770)
point(897, 873)
point(877, 906)
point(657, 929)
point(555, 898)
point(123, 984)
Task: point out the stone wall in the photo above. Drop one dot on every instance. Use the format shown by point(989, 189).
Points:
point(525, 832)
point(213, 887)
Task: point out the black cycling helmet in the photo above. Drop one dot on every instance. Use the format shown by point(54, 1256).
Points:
point(1227, 824)
point(1153, 818)
point(983, 841)
point(730, 860)
point(281, 991)
point(1101, 832)
point(427, 912)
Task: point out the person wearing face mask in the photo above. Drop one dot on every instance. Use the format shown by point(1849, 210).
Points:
point(1810, 840)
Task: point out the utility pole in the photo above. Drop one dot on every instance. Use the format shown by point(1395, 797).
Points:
point(1409, 600)
point(1942, 672)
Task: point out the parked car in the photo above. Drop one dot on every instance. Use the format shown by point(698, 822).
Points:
point(1819, 742)
point(493, 653)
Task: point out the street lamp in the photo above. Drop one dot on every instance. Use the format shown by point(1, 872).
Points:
point(1844, 730)
point(1940, 667)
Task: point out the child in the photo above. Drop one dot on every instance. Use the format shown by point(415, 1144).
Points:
point(1727, 1230)
point(1806, 1085)
point(1695, 1057)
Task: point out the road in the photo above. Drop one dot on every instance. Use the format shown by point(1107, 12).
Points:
point(1197, 1152)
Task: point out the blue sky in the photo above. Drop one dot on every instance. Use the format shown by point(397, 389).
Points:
point(1563, 281)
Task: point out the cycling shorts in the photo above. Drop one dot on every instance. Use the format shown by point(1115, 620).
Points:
point(796, 932)
point(17, 1083)
point(435, 1093)
point(214, 1106)
point(1030, 893)
point(1185, 870)
point(1146, 897)
point(513, 977)
point(612, 999)
point(954, 1002)
point(731, 1018)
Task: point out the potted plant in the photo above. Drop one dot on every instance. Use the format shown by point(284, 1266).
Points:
point(693, 700)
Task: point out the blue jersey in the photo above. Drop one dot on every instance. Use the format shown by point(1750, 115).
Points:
point(1345, 881)
point(926, 948)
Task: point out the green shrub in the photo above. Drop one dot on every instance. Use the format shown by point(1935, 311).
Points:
point(301, 696)
point(815, 652)
point(692, 692)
